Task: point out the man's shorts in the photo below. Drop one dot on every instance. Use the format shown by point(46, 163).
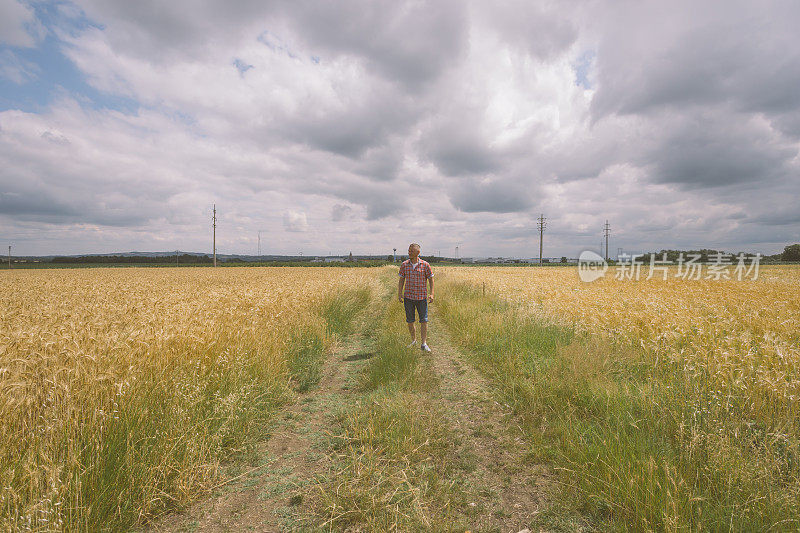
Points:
point(420, 305)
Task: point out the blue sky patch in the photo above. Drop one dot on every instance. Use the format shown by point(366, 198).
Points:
point(32, 78)
point(582, 68)
point(241, 66)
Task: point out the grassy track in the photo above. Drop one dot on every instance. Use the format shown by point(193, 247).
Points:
point(423, 447)
point(391, 444)
point(632, 446)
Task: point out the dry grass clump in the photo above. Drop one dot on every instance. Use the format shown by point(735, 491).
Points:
point(122, 389)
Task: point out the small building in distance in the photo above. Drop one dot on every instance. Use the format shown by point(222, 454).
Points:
point(334, 259)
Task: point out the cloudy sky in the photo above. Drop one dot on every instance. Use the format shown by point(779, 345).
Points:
point(338, 126)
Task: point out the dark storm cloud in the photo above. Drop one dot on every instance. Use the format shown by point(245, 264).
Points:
point(341, 212)
point(37, 204)
point(381, 163)
point(711, 91)
point(380, 199)
point(383, 206)
point(158, 31)
point(717, 150)
point(363, 122)
point(457, 149)
point(495, 196)
point(411, 43)
point(585, 155)
point(788, 123)
point(741, 53)
point(782, 217)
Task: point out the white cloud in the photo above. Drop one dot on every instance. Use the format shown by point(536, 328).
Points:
point(295, 221)
point(18, 25)
point(366, 125)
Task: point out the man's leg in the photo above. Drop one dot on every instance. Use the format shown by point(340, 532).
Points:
point(413, 331)
point(409, 308)
point(423, 320)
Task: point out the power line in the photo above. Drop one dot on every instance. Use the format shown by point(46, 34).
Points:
point(541, 225)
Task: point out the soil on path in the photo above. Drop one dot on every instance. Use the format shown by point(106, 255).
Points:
point(508, 488)
point(277, 493)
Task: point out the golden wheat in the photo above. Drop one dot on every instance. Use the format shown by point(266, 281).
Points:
point(93, 358)
point(681, 413)
point(746, 334)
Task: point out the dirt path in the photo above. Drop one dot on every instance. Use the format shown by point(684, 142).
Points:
point(508, 490)
point(277, 493)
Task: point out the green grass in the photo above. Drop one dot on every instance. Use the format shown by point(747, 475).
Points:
point(306, 347)
point(167, 434)
point(391, 447)
point(639, 446)
point(305, 351)
point(341, 309)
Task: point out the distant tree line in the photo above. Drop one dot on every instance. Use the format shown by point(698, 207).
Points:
point(705, 254)
point(790, 253)
point(128, 259)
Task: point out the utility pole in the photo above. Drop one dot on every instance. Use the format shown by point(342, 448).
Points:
point(394, 255)
point(540, 225)
point(458, 244)
point(214, 226)
point(607, 232)
point(9, 257)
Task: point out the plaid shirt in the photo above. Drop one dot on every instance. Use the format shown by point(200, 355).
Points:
point(416, 276)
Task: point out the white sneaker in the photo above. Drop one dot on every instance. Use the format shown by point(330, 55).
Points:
point(413, 343)
point(425, 347)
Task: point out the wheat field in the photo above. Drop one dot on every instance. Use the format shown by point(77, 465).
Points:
point(745, 333)
point(121, 390)
point(672, 404)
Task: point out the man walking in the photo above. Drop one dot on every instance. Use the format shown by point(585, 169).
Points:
point(414, 272)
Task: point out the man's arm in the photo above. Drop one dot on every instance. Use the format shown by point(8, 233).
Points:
point(430, 296)
point(400, 284)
